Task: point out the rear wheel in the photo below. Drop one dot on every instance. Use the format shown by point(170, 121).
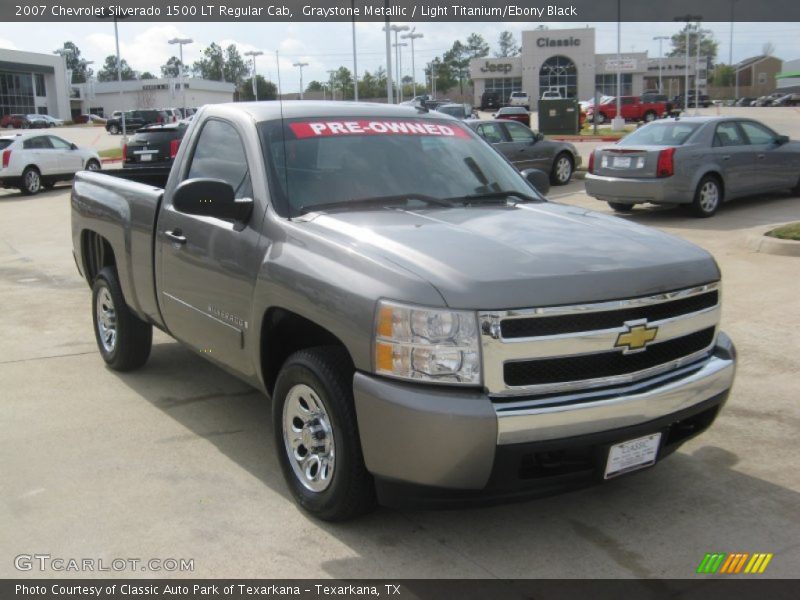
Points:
point(113, 129)
point(707, 197)
point(316, 435)
point(620, 206)
point(649, 116)
point(124, 340)
point(600, 118)
point(561, 172)
point(31, 181)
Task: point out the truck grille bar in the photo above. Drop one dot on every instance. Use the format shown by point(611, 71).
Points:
point(556, 349)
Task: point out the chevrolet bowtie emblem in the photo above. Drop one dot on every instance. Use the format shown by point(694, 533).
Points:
point(636, 337)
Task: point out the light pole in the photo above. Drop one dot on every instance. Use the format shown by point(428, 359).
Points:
point(413, 36)
point(660, 39)
point(697, 73)
point(253, 54)
point(333, 85)
point(398, 46)
point(301, 65)
point(618, 122)
point(355, 60)
point(397, 29)
point(688, 19)
point(181, 43)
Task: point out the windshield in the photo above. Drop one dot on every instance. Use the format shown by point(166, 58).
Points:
point(660, 134)
point(326, 161)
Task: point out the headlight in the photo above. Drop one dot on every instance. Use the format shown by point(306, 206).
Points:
point(427, 344)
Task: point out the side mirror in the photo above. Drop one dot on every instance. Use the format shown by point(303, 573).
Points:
point(211, 198)
point(538, 137)
point(781, 140)
point(539, 180)
point(73, 146)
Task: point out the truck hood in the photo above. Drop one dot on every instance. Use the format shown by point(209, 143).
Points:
point(528, 255)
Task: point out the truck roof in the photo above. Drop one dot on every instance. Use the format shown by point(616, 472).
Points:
point(291, 109)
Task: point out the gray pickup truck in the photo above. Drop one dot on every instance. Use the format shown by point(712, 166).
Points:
point(429, 328)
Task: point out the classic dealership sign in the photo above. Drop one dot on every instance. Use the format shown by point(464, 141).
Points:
point(546, 42)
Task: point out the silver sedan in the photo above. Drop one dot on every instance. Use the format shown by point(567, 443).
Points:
point(697, 161)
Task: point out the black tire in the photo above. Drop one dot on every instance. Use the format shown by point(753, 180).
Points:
point(132, 338)
point(560, 173)
point(114, 129)
point(48, 185)
point(328, 372)
point(702, 205)
point(92, 165)
point(31, 181)
point(649, 116)
point(600, 118)
point(620, 207)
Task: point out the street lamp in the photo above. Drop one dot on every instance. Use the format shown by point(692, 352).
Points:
point(331, 73)
point(618, 122)
point(413, 36)
point(688, 19)
point(253, 54)
point(400, 70)
point(660, 39)
point(301, 65)
point(397, 29)
point(181, 43)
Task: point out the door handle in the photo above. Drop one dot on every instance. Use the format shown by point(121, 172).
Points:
point(176, 236)
point(762, 156)
point(726, 157)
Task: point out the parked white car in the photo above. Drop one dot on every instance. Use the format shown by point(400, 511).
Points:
point(173, 115)
point(32, 161)
point(520, 99)
point(551, 95)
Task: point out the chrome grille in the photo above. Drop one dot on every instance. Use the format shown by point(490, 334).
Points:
point(554, 349)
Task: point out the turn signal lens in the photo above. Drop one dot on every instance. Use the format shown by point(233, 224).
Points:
point(666, 163)
point(173, 148)
point(590, 168)
point(6, 158)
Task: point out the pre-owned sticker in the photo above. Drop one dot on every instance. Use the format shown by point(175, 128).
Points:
point(326, 128)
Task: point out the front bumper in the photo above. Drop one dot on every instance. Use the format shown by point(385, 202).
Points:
point(636, 191)
point(441, 440)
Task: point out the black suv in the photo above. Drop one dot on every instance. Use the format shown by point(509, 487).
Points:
point(154, 145)
point(490, 100)
point(134, 119)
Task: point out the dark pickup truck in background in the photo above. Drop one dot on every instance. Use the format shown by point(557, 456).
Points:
point(429, 328)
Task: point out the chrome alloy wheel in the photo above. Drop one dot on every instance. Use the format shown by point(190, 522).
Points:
point(709, 196)
point(563, 169)
point(32, 181)
point(106, 320)
point(308, 438)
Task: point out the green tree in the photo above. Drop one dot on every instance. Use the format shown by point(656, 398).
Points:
point(80, 69)
point(343, 81)
point(109, 70)
point(147, 75)
point(477, 46)
point(172, 67)
point(210, 65)
point(266, 89)
point(507, 45)
point(708, 45)
point(314, 86)
point(236, 69)
point(722, 75)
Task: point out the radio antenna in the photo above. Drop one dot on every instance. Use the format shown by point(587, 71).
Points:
point(283, 136)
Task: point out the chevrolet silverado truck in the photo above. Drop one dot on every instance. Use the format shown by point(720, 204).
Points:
point(429, 328)
point(633, 109)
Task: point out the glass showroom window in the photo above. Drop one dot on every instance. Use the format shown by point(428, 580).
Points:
point(41, 90)
point(607, 84)
point(16, 93)
point(559, 73)
point(504, 86)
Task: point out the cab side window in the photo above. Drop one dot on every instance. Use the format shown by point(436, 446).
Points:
point(491, 132)
point(37, 143)
point(757, 133)
point(219, 154)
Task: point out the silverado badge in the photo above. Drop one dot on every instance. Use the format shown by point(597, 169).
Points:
point(636, 337)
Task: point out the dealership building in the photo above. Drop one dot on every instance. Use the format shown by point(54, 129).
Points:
point(564, 60)
point(33, 82)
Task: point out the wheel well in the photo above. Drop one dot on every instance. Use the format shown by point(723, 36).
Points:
point(96, 253)
point(32, 166)
point(282, 334)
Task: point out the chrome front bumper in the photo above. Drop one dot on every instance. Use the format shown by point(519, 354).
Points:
point(449, 438)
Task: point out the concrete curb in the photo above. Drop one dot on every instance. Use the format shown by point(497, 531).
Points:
point(110, 160)
point(758, 241)
point(592, 138)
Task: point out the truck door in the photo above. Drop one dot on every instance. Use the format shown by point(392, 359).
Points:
point(208, 266)
point(773, 162)
point(523, 149)
point(736, 157)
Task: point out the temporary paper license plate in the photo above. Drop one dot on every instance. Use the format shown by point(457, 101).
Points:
point(622, 162)
point(145, 157)
point(632, 455)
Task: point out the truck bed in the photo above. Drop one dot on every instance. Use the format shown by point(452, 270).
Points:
point(121, 205)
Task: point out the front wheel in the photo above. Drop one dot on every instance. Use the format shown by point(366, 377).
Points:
point(316, 435)
point(114, 129)
point(92, 165)
point(561, 172)
point(707, 197)
point(124, 340)
point(620, 206)
point(649, 117)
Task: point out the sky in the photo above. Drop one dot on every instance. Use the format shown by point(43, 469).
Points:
point(326, 46)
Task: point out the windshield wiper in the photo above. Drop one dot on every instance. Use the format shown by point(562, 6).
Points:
point(499, 196)
point(374, 201)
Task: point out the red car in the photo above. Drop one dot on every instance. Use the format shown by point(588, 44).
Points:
point(514, 113)
point(633, 109)
point(15, 121)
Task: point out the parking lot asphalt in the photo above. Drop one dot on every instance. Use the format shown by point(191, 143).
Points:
point(176, 461)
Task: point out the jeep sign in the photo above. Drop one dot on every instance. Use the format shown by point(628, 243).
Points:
point(496, 68)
